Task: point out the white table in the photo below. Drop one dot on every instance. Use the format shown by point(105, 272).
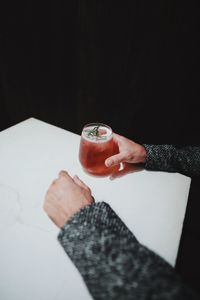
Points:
point(32, 263)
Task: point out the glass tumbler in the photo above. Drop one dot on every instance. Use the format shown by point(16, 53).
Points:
point(96, 145)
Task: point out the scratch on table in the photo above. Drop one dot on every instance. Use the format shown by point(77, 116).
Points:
point(11, 209)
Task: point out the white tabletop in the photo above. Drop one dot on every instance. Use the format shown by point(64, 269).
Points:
point(32, 263)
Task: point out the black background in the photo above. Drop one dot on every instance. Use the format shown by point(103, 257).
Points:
point(133, 65)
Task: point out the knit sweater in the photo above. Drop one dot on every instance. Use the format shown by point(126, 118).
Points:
point(113, 264)
point(168, 158)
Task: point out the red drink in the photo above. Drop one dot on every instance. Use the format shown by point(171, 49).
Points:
point(95, 146)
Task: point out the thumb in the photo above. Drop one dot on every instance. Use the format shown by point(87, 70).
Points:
point(115, 159)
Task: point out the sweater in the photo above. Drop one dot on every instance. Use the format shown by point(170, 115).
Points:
point(112, 262)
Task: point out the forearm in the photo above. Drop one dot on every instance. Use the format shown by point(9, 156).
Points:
point(113, 263)
point(185, 160)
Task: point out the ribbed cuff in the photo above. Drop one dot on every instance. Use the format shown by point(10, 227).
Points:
point(96, 216)
point(158, 157)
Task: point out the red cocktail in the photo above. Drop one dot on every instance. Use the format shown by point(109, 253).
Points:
point(95, 146)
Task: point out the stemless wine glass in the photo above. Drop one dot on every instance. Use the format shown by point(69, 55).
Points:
point(96, 145)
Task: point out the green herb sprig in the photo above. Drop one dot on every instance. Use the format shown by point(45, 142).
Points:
point(94, 131)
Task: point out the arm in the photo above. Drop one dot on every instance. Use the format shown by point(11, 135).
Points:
point(168, 158)
point(113, 264)
point(185, 160)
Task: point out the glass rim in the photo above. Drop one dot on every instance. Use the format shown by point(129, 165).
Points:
point(93, 124)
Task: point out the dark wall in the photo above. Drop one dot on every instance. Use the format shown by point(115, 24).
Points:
point(134, 66)
point(131, 64)
point(38, 64)
point(140, 68)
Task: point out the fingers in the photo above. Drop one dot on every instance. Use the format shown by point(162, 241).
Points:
point(116, 159)
point(80, 183)
point(127, 168)
point(84, 186)
point(63, 173)
point(75, 179)
point(116, 136)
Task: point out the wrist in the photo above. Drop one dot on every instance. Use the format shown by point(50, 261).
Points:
point(98, 214)
point(143, 154)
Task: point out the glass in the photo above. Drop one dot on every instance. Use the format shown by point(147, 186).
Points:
point(96, 146)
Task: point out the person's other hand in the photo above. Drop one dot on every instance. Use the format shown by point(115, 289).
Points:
point(129, 152)
point(65, 197)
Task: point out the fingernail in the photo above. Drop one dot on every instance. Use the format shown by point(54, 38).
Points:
point(109, 163)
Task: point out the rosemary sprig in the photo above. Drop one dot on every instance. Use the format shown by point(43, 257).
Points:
point(94, 131)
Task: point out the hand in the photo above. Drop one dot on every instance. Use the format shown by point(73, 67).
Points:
point(129, 152)
point(65, 197)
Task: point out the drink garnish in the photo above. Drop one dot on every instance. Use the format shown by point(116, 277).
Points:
point(94, 131)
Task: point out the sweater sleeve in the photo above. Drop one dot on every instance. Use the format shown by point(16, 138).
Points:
point(113, 264)
point(184, 160)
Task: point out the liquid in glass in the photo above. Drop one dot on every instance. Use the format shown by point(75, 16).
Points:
point(96, 146)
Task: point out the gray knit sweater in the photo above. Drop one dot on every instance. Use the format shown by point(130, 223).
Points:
point(113, 264)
